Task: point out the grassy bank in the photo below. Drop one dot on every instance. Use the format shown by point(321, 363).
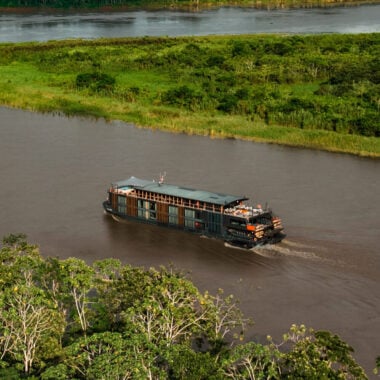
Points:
point(319, 92)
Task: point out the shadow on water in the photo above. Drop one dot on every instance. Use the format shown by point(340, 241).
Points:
point(164, 246)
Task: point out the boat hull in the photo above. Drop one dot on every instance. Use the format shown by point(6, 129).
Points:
point(240, 238)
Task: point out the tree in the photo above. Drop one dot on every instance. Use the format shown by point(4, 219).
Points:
point(29, 321)
point(76, 280)
point(183, 362)
point(376, 370)
point(224, 319)
point(140, 324)
point(169, 311)
point(253, 361)
point(117, 290)
point(107, 274)
point(108, 355)
point(318, 354)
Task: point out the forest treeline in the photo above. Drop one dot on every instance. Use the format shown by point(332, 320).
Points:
point(192, 4)
point(326, 87)
point(65, 319)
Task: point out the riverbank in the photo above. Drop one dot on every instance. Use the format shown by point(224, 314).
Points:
point(289, 90)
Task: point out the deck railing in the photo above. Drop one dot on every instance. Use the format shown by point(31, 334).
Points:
point(169, 199)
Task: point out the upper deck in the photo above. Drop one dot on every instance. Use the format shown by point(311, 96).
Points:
point(169, 192)
point(245, 211)
point(182, 196)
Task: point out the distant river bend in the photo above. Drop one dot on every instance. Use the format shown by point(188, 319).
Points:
point(57, 26)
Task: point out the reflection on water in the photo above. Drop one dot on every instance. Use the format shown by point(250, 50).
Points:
point(42, 27)
point(54, 174)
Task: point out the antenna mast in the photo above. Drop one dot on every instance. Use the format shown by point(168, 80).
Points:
point(162, 177)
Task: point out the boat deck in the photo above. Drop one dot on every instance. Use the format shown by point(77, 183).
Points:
point(244, 211)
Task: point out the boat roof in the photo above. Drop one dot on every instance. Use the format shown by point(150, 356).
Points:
point(179, 191)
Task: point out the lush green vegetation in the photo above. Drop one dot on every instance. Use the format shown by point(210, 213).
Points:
point(65, 319)
point(320, 91)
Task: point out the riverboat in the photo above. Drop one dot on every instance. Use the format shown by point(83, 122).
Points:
point(222, 216)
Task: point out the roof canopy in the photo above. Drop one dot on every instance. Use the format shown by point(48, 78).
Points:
point(178, 191)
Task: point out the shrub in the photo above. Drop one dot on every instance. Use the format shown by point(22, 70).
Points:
point(95, 81)
point(215, 60)
point(228, 103)
point(183, 96)
point(240, 48)
point(368, 125)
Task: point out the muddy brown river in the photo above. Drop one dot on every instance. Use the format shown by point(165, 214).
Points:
point(54, 172)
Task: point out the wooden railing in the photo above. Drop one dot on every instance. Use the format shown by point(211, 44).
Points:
point(171, 200)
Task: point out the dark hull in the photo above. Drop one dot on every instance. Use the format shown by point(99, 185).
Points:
point(223, 232)
point(249, 243)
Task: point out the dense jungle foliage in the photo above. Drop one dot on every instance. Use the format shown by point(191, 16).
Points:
point(318, 91)
point(65, 319)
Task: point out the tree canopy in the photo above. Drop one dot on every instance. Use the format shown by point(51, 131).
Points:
point(63, 319)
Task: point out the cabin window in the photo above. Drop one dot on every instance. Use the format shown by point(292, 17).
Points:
point(141, 208)
point(263, 220)
point(146, 209)
point(121, 204)
point(152, 210)
point(198, 214)
point(214, 222)
point(173, 215)
point(121, 200)
point(237, 223)
point(121, 209)
point(189, 218)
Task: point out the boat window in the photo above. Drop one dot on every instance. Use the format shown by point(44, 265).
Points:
point(121, 200)
point(141, 208)
point(152, 210)
point(237, 223)
point(214, 222)
point(146, 209)
point(173, 215)
point(121, 204)
point(198, 214)
point(189, 218)
point(265, 221)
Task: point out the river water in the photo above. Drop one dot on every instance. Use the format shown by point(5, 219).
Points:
point(56, 26)
point(54, 172)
